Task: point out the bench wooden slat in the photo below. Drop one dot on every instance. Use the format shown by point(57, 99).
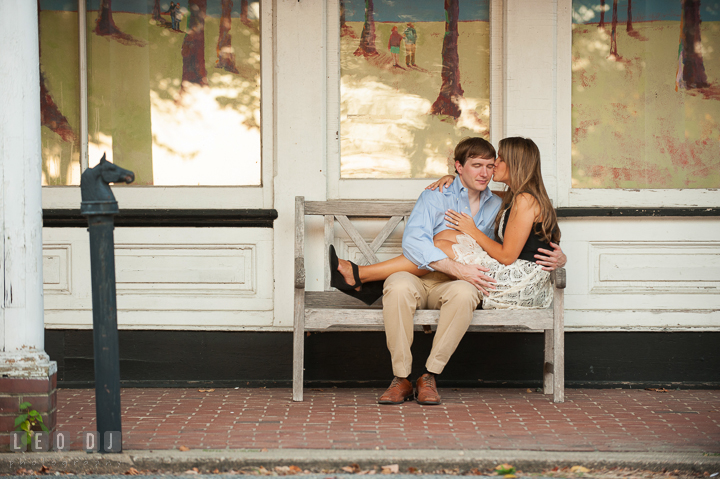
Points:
point(322, 319)
point(385, 232)
point(360, 208)
point(357, 238)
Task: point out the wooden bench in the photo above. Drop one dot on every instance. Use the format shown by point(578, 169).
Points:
point(332, 310)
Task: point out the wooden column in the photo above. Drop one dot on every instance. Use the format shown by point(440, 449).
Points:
point(23, 361)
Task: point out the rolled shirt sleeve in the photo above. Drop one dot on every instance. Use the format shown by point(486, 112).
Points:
point(417, 240)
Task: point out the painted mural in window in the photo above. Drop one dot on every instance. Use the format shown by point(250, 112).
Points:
point(414, 81)
point(646, 94)
point(173, 90)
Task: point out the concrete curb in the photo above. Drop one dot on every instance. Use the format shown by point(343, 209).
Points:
point(327, 459)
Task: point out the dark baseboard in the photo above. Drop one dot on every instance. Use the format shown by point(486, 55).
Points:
point(147, 218)
point(360, 359)
point(596, 212)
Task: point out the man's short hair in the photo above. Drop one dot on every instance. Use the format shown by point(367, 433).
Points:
point(473, 147)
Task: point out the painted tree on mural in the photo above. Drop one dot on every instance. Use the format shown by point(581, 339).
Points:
point(157, 12)
point(450, 90)
point(50, 115)
point(244, 13)
point(225, 55)
point(367, 37)
point(691, 69)
point(629, 17)
point(613, 34)
point(345, 29)
point(193, 47)
point(105, 26)
point(602, 14)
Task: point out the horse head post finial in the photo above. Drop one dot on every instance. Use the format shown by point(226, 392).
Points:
point(97, 197)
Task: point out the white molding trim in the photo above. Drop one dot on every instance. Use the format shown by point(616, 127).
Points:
point(686, 198)
point(563, 103)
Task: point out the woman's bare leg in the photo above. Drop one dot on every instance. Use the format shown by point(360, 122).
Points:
point(380, 271)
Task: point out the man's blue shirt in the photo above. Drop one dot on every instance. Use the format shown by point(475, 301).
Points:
point(428, 219)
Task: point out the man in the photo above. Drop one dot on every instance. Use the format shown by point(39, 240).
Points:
point(410, 36)
point(453, 288)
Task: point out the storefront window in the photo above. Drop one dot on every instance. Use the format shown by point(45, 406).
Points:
point(646, 94)
point(414, 81)
point(173, 91)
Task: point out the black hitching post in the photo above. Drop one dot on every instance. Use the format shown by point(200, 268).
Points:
point(99, 206)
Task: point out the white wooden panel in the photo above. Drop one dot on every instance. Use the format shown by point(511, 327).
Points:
point(179, 269)
point(56, 270)
point(175, 278)
point(655, 267)
point(649, 274)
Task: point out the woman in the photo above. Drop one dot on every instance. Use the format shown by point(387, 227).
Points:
point(526, 222)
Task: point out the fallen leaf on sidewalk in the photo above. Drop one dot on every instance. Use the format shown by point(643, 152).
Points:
point(206, 390)
point(183, 448)
point(657, 390)
point(284, 470)
point(413, 470)
point(529, 390)
point(390, 469)
point(352, 468)
point(194, 470)
point(132, 472)
point(579, 469)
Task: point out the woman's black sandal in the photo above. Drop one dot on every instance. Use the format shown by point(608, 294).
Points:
point(337, 280)
point(370, 291)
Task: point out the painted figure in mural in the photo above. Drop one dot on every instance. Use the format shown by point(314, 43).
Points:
point(176, 16)
point(394, 46)
point(462, 222)
point(410, 36)
point(171, 12)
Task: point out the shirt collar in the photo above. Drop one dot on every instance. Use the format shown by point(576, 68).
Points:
point(457, 188)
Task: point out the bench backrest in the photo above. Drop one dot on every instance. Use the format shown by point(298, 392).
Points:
point(341, 211)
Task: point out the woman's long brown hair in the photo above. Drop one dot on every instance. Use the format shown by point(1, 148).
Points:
point(522, 157)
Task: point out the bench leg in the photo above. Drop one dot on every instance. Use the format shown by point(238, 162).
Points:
point(298, 345)
point(548, 363)
point(559, 346)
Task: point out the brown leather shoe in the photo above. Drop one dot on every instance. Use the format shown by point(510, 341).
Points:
point(427, 390)
point(400, 390)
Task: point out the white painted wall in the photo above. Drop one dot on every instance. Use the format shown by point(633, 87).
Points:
point(609, 259)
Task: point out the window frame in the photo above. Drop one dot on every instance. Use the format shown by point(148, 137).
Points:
point(401, 188)
point(566, 195)
point(199, 197)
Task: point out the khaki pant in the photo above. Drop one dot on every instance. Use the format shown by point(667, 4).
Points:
point(404, 293)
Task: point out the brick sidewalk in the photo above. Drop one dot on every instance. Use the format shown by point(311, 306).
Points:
point(471, 419)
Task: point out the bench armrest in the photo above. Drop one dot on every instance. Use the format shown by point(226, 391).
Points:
point(299, 273)
point(559, 278)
